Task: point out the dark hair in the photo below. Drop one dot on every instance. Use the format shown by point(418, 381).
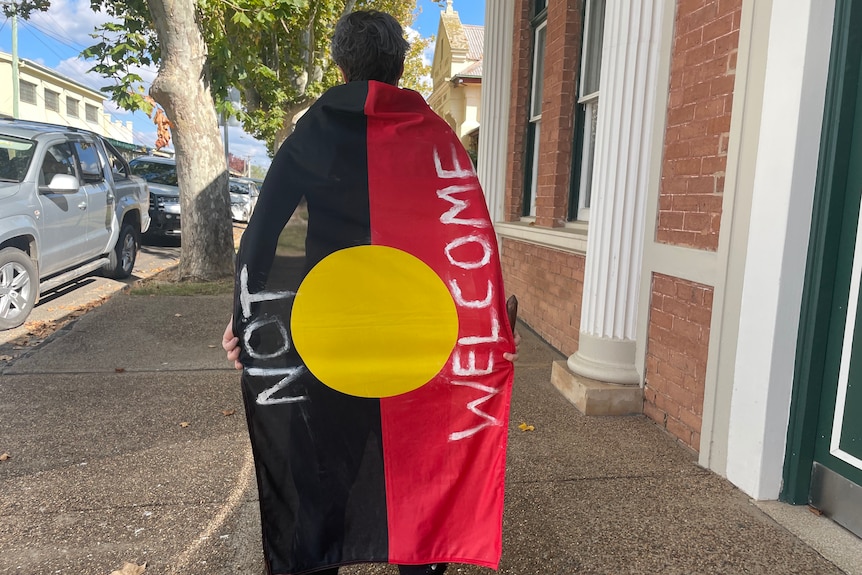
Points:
point(369, 45)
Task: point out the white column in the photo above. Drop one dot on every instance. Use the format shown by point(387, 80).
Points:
point(494, 110)
point(627, 86)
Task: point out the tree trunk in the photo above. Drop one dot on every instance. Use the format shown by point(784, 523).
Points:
point(207, 251)
point(288, 124)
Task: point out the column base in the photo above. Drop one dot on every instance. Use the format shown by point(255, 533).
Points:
point(605, 359)
point(593, 397)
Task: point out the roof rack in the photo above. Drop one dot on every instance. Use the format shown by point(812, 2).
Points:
point(47, 124)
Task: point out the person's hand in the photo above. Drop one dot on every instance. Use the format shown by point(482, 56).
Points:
point(230, 343)
point(513, 357)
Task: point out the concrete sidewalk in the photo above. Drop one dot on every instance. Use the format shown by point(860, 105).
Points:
point(128, 443)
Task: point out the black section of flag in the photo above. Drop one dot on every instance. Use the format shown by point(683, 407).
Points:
point(318, 452)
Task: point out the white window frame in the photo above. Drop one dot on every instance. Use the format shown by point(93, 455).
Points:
point(95, 110)
point(31, 90)
point(590, 101)
point(76, 108)
point(56, 96)
point(535, 119)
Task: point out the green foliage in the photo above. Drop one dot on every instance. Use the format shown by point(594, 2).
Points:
point(275, 52)
point(23, 8)
point(123, 46)
point(258, 172)
point(417, 75)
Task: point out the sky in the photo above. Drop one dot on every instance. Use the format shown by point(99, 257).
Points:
point(56, 38)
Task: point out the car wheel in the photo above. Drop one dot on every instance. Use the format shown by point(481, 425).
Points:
point(19, 287)
point(122, 257)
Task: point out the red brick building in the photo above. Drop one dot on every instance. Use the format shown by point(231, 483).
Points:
point(675, 185)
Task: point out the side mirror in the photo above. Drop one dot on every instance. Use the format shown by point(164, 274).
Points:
point(62, 184)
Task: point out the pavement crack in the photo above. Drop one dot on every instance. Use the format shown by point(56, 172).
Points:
point(126, 371)
point(692, 473)
point(142, 506)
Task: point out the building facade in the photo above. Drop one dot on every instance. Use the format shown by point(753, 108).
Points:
point(676, 188)
point(46, 96)
point(456, 74)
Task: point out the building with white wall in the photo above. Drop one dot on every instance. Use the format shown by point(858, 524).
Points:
point(456, 74)
point(46, 96)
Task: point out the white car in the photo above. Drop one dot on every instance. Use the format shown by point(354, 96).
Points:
point(243, 198)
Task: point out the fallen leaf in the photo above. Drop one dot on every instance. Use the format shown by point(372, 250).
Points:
point(815, 511)
point(130, 569)
point(227, 412)
point(120, 369)
point(184, 424)
point(525, 427)
point(5, 358)
point(4, 456)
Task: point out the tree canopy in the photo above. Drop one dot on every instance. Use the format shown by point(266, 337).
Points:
point(275, 52)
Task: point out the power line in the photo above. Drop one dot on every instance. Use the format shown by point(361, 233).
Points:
point(72, 44)
point(37, 37)
point(53, 36)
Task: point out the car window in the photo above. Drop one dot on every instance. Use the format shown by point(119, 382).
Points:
point(118, 166)
point(15, 156)
point(155, 172)
point(91, 166)
point(239, 188)
point(59, 159)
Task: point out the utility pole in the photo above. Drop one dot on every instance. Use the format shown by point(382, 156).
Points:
point(225, 120)
point(15, 96)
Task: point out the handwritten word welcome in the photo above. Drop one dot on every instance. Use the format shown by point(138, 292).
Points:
point(465, 357)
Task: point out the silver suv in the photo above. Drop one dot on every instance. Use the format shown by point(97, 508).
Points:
point(69, 205)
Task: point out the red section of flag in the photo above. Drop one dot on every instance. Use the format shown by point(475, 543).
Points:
point(444, 444)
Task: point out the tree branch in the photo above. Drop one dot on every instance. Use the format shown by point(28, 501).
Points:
point(348, 7)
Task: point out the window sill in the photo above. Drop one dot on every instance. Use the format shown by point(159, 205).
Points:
point(571, 238)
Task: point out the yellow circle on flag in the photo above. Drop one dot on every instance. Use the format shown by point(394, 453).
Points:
point(373, 321)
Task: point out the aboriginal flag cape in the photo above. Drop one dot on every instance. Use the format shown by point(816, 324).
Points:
point(375, 389)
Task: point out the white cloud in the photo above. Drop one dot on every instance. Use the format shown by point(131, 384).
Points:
point(78, 70)
point(411, 33)
point(70, 21)
point(427, 54)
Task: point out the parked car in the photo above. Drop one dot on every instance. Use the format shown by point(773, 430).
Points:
point(243, 198)
point(161, 175)
point(69, 206)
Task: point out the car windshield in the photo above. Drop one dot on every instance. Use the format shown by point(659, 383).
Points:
point(240, 187)
point(15, 156)
point(155, 172)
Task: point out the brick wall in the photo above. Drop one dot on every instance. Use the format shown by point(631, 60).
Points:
point(562, 57)
point(550, 285)
point(677, 349)
point(703, 71)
